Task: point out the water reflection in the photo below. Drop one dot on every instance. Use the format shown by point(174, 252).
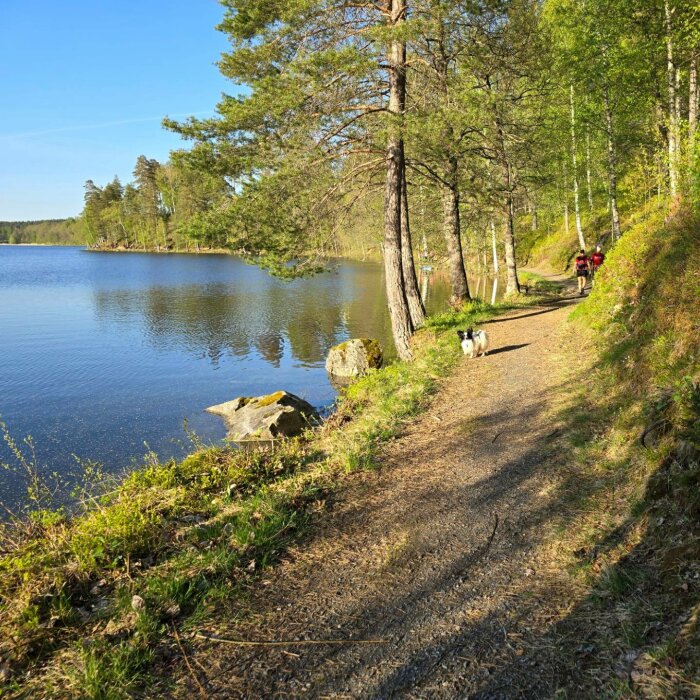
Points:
point(268, 318)
point(302, 319)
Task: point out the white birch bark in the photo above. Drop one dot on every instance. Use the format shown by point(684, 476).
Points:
point(577, 209)
point(612, 164)
point(494, 248)
point(672, 113)
point(693, 95)
point(588, 170)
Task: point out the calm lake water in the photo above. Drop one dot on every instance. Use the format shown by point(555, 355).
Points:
point(104, 355)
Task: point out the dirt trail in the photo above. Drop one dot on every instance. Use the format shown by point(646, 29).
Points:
point(436, 554)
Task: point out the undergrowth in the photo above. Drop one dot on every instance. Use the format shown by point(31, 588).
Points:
point(632, 454)
point(91, 600)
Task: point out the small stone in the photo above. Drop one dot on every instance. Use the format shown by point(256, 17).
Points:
point(251, 566)
point(172, 610)
point(96, 589)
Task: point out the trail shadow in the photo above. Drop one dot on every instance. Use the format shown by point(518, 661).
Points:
point(551, 306)
point(506, 348)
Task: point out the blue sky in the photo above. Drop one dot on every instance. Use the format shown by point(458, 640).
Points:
point(84, 85)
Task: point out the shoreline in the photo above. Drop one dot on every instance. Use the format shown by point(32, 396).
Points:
point(204, 251)
point(230, 507)
point(43, 245)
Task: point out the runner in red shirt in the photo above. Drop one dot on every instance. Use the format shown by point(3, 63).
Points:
point(597, 259)
point(582, 266)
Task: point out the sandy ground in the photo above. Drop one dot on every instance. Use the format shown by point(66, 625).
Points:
point(428, 573)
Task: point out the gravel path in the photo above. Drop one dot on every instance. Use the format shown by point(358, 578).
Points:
point(436, 556)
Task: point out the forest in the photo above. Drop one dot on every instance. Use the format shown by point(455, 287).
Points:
point(473, 130)
point(51, 231)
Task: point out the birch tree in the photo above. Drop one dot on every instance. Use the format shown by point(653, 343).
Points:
point(574, 163)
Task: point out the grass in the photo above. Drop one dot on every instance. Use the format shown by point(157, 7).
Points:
point(89, 601)
point(630, 536)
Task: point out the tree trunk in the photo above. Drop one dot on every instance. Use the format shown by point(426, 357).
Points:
point(512, 284)
point(612, 165)
point(395, 292)
point(566, 201)
point(672, 113)
point(415, 304)
point(452, 231)
point(574, 160)
point(693, 95)
point(494, 248)
point(452, 228)
point(588, 170)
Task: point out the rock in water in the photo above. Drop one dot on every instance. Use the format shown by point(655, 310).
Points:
point(353, 358)
point(265, 417)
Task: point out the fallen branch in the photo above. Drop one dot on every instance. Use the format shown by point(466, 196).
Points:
point(661, 423)
point(281, 643)
point(187, 663)
point(493, 534)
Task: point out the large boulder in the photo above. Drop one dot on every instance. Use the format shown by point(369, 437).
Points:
point(265, 417)
point(353, 358)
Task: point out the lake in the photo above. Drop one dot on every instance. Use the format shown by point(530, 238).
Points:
point(104, 356)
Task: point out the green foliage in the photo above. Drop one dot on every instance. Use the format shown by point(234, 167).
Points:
point(163, 209)
point(49, 232)
point(645, 299)
point(633, 451)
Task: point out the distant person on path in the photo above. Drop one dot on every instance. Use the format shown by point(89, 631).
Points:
point(582, 266)
point(597, 259)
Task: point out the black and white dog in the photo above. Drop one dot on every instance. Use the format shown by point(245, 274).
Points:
point(474, 343)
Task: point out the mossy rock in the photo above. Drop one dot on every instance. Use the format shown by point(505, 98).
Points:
point(354, 358)
point(268, 417)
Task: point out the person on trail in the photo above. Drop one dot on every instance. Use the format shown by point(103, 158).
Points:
point(582, 266)
point(597, 259)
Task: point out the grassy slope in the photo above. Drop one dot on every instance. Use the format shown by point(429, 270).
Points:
point(634, 546)
point(89, 603)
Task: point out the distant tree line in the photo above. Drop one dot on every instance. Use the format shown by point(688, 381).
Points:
point(47, 231)
point(161, 209)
